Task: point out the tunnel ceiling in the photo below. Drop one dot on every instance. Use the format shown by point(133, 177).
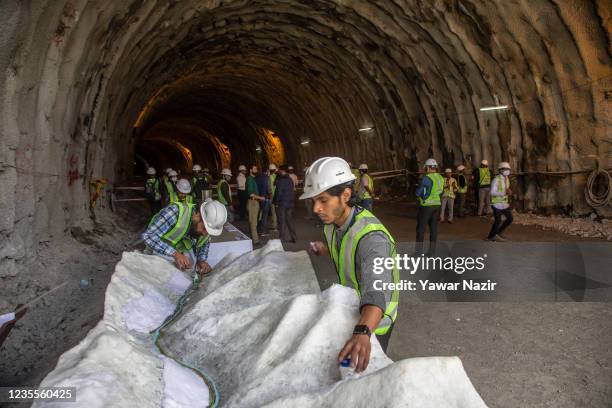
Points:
point(89, 83)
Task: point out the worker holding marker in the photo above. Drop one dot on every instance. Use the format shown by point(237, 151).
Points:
point(354, 238)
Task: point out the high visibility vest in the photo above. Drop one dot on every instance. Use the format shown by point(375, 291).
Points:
point(437, 185)
point(448, 187)
point(364, 223)
point(172, 196)
point(357, 179)
point(462, 190)
point(176, 234)
point(272, 184)
point(186, 245)
point(188, 199)
point(502, 183)
point(222, 199)
point(363, 193)
point(152, 187)
point(485, 176)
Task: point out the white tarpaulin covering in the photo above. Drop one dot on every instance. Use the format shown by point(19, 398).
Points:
point(259, 329)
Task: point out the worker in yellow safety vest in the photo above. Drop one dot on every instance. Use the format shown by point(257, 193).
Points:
point(169, 193)
point(500, 202)
point(365, 192)
point(356, 240)
point(183, 192)
point(482, 183)
point(224, 192)
point(429, 194)
point(180, 233)
point(462, 188)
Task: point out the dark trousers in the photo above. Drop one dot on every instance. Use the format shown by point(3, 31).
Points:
point(285, 220)
point(497, 214)
point(384, 339)
point(427, 216)
point(264, 212)
point(242, 201)
point(460, 203)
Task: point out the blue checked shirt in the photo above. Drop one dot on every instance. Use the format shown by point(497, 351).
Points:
point(162, 223)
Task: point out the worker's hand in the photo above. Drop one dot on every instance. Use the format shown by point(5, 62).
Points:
point(203, 268)
point(358, 348)
point(182, 262)
point(317, 248)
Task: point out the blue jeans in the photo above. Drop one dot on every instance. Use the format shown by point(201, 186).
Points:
point(264, 212)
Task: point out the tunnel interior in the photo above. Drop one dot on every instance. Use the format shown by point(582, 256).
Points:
point(117, 86)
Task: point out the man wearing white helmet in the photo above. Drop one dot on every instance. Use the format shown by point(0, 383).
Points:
point(429, 194)
point(448, 196)
point(242, 193)
point(482, 184)
point(181, 233)
point(152, 191)
point(224, 192)
point(355, 239)
point(365, 192)
point(183, 191)
point(293, 176)
point(500, 202)
point(462, 187)
point(272, 168)
point(169, 192)
point(199, 184)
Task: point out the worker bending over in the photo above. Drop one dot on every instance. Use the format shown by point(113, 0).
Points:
point(181, 232)
point(354, 239)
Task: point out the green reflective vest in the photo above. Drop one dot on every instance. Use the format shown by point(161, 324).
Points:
point(177, 235)
point(462, 190)
point(272, 183)
point(485, 176)
point(172, 196)
point(437, 185)
point(364, 223)
point(449, 187)
point(357, 175)
point(152, 187)
point(363, 193)
point(222, 199)
point(502, 183)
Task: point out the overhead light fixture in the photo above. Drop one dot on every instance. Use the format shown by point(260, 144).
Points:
point(258, 149)
point(305, 142)
point(489, 108)
point(365, 129)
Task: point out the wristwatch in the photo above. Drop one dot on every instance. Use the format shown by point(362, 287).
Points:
point(362, 329)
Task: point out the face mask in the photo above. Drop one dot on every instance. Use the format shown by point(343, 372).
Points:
point(505, 172)
point(174, 179)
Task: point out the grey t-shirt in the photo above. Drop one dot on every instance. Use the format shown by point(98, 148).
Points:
point(373, 245)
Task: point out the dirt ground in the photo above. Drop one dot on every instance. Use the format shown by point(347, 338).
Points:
point(516, 353)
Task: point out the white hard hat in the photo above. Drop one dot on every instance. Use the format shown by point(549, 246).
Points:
point(290, 168)
point(151, 171)
point(272, 166)
point(460, 167)
point(214, 215)
point(184, 186)
point(448, 170)
point(205, 170)
point(242, 167)
point(484, 162)
point(324, 174)
point(363, 166)
point(196, 167)
point(172, 173)
point(504, 165)
point(226, 172)
point(431, 163)
point(168, 170)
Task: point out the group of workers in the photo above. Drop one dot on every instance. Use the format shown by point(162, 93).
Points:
point(340, 195)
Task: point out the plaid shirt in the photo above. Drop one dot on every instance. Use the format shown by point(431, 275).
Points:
point(162, 223)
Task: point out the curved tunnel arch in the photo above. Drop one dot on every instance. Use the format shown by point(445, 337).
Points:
point(417, 72)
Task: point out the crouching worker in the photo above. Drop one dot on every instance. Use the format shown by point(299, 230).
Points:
point(356, 241)
point(180, 232)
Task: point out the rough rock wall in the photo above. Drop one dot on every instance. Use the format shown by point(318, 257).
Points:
point(77, 75)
